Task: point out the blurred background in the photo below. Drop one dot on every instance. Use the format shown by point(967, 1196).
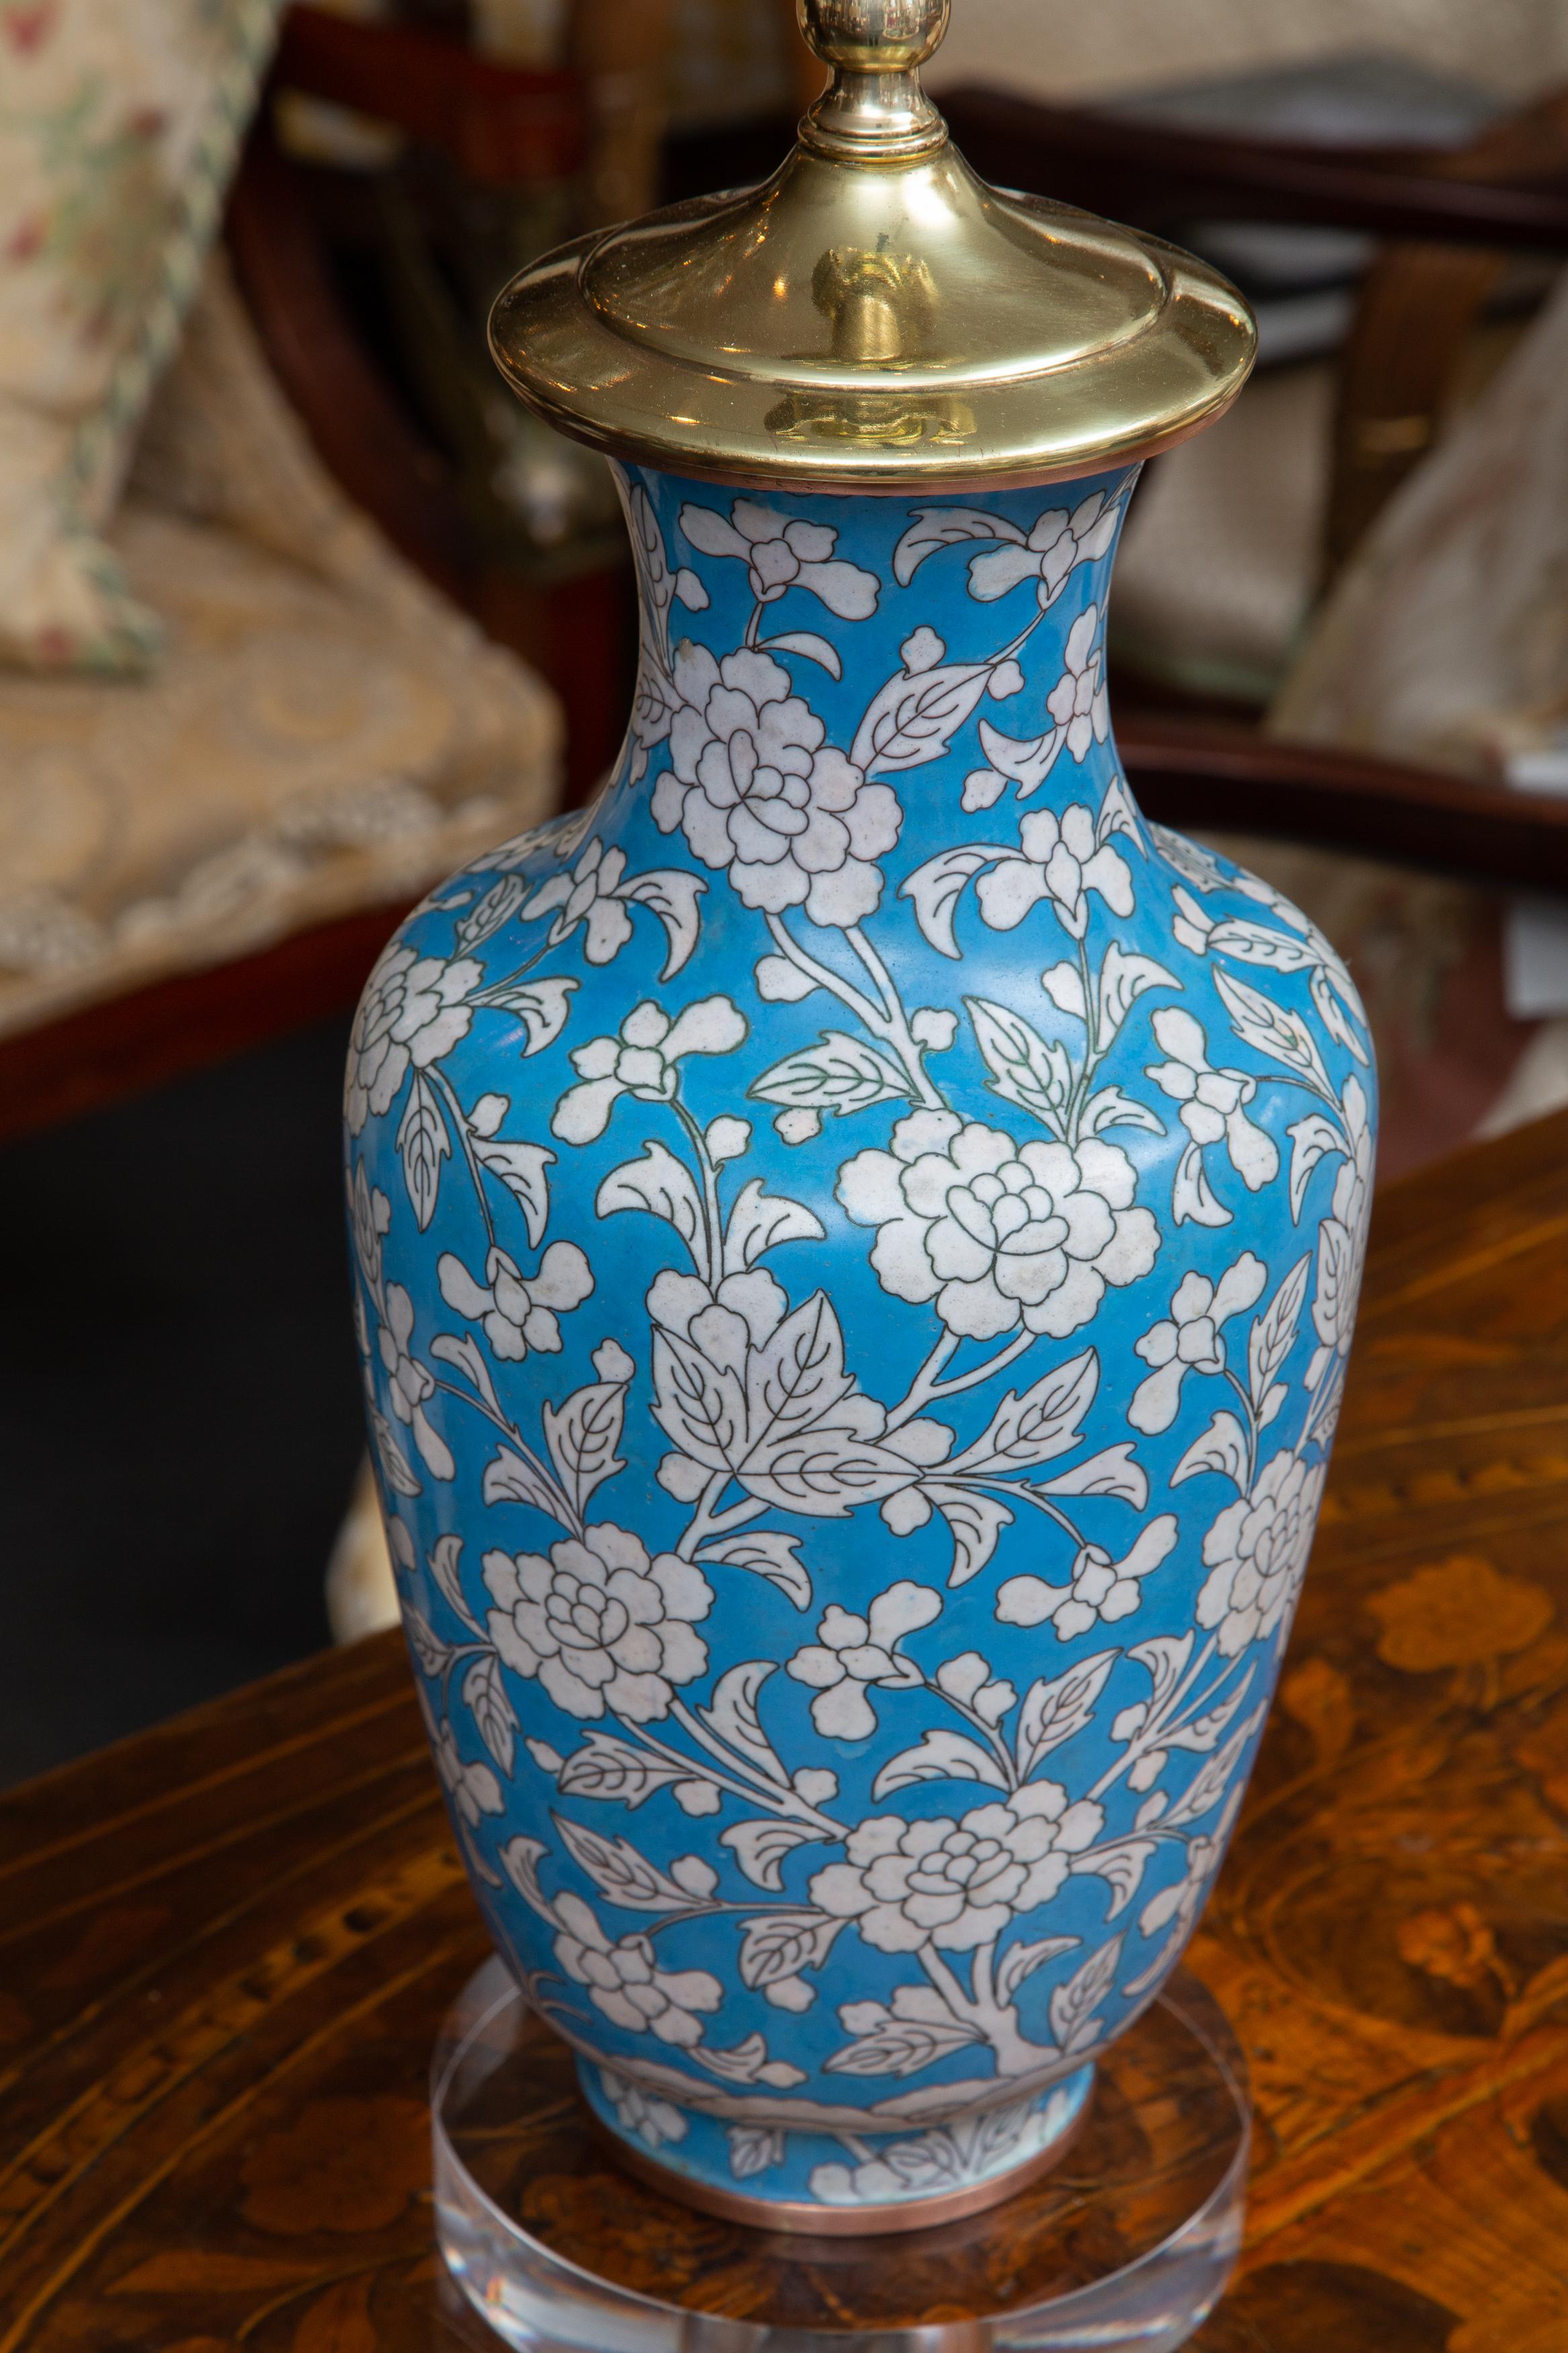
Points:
point(298, 609)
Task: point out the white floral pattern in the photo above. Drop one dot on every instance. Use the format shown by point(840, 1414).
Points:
point(603, 1628)
point(762, 797)
point(956, 1884)
point(997, 1233)
point(1013, 1189)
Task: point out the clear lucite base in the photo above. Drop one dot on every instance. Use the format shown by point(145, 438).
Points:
point(1127, 2241)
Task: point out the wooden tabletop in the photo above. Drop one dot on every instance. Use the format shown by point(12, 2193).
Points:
point(225, 1947)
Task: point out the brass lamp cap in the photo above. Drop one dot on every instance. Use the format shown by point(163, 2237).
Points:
point(874, 316)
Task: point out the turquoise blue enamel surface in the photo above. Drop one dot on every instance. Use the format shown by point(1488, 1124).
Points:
point(856, 1236)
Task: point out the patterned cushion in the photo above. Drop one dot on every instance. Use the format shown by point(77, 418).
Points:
point(117, 132)
point(326, 732)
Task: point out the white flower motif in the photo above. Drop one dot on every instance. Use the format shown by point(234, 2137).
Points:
point(1057, 860)
point(851, 1652)
point(1078, 702)
point(1212, 1111)
point(968, 1681)
point(472, 1788)
point(956, 1885)
point(1101, 1588)
point(642, 1062)
point(997, 1233)
point(588, 895)
point(409, 1383)
point(518, 1311)
point(624, 1981)
point(1257, 1553)
point(758, 793)
point(780, 555)
point(606, 1629)
point(1189, 1340)
point(412, 1010)
point(1058, 543)
point(641, 2115)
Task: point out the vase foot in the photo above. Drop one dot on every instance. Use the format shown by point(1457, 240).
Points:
point(818, 2183)
point(1125, 2244)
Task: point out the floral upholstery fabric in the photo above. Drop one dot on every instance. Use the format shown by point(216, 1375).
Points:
point(325, 732)
point(119, 128)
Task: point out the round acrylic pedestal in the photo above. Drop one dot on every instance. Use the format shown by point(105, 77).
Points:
point(1127, 2241)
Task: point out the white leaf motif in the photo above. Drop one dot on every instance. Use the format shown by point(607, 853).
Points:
point(902, 2047)
point(497, 906)
point(1114, 1471)
point(521, 1858)
point(423, 1143)
point(767, 1552)
point(1123, 979)
point(1054, 1711)
point(1208, 1784)
point(1037, 1426)
point(806, 641)
point(761, 1847)
point(1122, 1865)
point(1025, 1068)
point(607, 1769)
point(619, 1871)
point(583, 1436)
point(732, 1713)
point(940, 1756)
point(657, 1182)
point(1221, 1447)
point(1310, 1139)
point(938, 527)
point(1273, 1334)
point(838, 1074)
point(754, 2148)
point(542, 1006)
point(484, 1695)
point(975, 1522)
point(1072, 2005)
point(782, 1944)
point(935, 889)
point(445, 1555)
point(1108, 1107)
point(521, 1167)
point(672, 895)
point(511, 1478)
point(1020, 1961)
point(395, 1467)
point(763, 1221)
point(1273, 1029)
point(914, 718)
point(424, 1641)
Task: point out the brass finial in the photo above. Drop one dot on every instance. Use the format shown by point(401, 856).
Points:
point(874, 50)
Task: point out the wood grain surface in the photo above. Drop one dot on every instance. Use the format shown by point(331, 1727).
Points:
point(225, 1946)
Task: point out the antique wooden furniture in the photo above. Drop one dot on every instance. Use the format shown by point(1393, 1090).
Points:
point(227, 1943)
point(1449, 220)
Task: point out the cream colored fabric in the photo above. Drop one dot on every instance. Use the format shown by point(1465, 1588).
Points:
point(1446, 639)
point(119, 121)
point(1062, 48)
point(1221, 555)
point(325, 732)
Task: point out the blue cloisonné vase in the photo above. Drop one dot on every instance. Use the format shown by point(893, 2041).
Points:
point(857, 1237)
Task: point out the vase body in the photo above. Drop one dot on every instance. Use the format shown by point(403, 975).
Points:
point(856, 1238)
